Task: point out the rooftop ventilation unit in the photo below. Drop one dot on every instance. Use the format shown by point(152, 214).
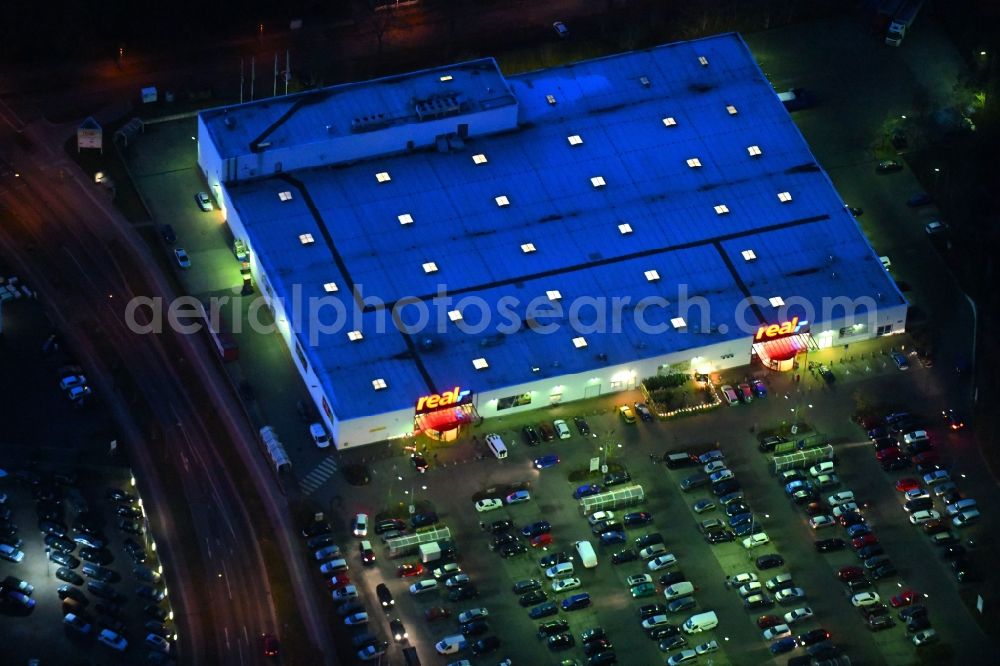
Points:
point(438, 106)
point(369, 123)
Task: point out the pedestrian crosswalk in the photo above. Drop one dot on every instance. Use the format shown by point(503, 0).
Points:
point(314, 479)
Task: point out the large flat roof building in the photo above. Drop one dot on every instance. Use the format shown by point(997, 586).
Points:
point(669, 185)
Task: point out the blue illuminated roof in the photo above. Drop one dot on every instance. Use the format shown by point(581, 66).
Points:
point(640, 117)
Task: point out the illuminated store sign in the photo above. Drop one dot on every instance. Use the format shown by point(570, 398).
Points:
point(776, 331)
point(456, 396)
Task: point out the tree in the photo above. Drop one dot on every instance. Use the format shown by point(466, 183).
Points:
point(379, 16)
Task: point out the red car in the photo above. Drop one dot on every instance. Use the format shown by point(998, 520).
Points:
point(541, 540)
point(768, 621)
point(270, 645)
point(905, 598)
point(814, 508)
point(436, 613)
point(888, 454)
point(866, 540)
point(908, 483)
point(410, 569)
point(846, 574)
point(339, 580)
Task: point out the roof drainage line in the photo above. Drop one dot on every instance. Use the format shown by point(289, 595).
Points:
point(408, 340)
point(611, 260)
point(255, 144)
point(741, 284)
point(321, 224)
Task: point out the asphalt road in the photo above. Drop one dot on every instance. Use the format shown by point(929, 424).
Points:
point(64, 244)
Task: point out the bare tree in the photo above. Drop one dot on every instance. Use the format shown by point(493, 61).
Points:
point(379, 16)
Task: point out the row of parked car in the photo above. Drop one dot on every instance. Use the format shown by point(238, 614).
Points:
point(744, 392)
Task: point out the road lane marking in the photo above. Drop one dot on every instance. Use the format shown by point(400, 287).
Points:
point(323, 471)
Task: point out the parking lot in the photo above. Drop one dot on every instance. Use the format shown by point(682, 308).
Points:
point(467, 471)
point(60, 521)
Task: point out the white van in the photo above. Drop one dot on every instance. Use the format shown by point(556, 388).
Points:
point(496, 445)
point(586, 552)
point(701, 622)
point(678, 590)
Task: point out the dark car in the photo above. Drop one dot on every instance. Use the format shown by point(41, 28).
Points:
point(725, 487)
point(612, 537)
point(623, 556)
point(52, 527)
point(812, 637)
point(486, 645)
point(316, 529)
point(68, 575)
point(528, 585)
point(543, 610)
point(560, 642)
point(870, 551)
point(648, 540)
point(70, 592)
point(388, 525)
point(424, 519)
point(768, 444)
point(475, 628)
point(581, 425)
point(464, 592)
point(672, 577)
point(512, 549)
point(547, 432)
point(497, 526)
point(830, 545)
point(886, 570)
point(532, 598)
point(64, 559)
point(384, 597)
point(616, 478)
point(106, 592)
point(664, 631)
point(553, 559)
point(100, 573)
point(597, 645)
point(592, 634)
point(96, 555)
point(643, 411)
point(552, 628)
point(530, 436)
point(534, 529)
point(769, 561)
point(649, 610)
point(576, 602)
point(606, 526)
point(919, 199)
point(503, 539)
point(168, 234)
point(719, 535)
point(636, 518)
point(419, 462)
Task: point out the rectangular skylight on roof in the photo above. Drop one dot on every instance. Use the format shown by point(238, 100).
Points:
point(754, 151)
point(598, 181)
point(776, 301)
point(354, 336)
point(446, 78)
point(306, 239)
point(731, 109)
point(502, 200)
point(527, 248)
point(624, 228)
point(553, 295)
point(383, 177)
point(580, 342)
point(285, 196)
point(379, 384)
point(405, 218)
point(703, 60)
point(430, 267)
point(678, 322)
point(574, 140)
point(479, 158)
point(644, 81)
point(694, 163)
point(669, 121)
point(721, 209)
point(455, 315)
point(749, 255)
point(652, 275)
point(480, 363)
point(551, 99)
point(331, 287)
point(784, 197)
